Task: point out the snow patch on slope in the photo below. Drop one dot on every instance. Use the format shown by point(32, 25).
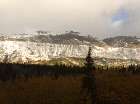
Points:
point(16, 51)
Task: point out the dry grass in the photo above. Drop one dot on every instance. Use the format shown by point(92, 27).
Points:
point(112, 88)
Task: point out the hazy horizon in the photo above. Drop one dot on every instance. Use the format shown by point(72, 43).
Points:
point(99, 18)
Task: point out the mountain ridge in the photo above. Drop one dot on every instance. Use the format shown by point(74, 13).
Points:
point(28, 48)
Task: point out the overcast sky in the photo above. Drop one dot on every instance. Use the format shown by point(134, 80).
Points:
point(100, 18)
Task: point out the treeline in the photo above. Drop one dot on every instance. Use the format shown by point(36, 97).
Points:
point(13, 71)
point(134, 69)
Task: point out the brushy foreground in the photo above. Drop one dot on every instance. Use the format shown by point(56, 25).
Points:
point(112, 88)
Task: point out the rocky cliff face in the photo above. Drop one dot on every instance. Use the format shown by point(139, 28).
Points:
point(20, 49)
point(123, 41)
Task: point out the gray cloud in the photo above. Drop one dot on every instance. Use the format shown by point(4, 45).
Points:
point(86, 16)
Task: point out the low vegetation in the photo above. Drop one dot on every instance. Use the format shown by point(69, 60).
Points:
point(42, 84)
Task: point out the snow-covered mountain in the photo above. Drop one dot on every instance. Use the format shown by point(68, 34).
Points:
point(29, 48)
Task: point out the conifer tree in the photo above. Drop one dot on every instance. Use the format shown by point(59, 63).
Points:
point(89, 62)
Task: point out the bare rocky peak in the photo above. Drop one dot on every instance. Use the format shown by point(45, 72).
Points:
point(123, 41)
point(70, 37)
point(74, 38)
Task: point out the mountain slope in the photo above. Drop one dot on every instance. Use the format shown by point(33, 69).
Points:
point(39, 48)
point(123, 41)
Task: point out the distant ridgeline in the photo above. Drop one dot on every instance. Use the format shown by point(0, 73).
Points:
point(69, 48)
